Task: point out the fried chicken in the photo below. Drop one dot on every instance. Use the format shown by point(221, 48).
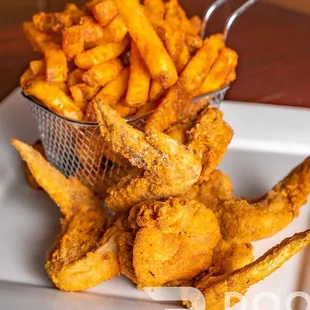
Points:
point(243, 221)
point(85, 252)
point(174, 240)
point(240, 280)
point(169, 168)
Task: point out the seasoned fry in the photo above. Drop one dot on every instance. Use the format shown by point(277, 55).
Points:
point(57, 22)
point(115, 31)
point(39, 41)
point(75, 77)
point(200, 65)
point(156, 7)
point(175, 37)
point(196, 23)
point(82, 93)
point(220, 72)
point(193, 40)
point(139, 80)
point(37, 67)
point(149, 44)
point(170, 110)
point(112, 93)
point(92, 32)
point(147, 108)
point(100, 54)
point(73, 41)
point(102, 73)
point(56, 65)
point(156, 90)
point(25, 78)
point(124, 110)
point(55, 99)
point(240, 280)
point(104, 11)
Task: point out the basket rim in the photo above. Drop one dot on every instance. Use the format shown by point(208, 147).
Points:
point(128, 119)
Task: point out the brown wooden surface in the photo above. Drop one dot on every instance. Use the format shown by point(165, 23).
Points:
point(273, 45)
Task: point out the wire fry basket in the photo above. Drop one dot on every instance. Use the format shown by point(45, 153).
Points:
point(77, 148)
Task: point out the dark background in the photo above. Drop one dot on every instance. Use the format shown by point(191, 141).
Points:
point(273, 44)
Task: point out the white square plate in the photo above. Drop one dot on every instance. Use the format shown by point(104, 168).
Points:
point(269, 141)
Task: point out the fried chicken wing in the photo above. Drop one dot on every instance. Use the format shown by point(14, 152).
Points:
point(126, 244)
point(243, 221)
point(85, 253)
point(240, 280)
point(174, 240)
point(169, 167)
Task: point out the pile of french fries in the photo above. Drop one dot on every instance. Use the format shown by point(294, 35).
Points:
point(125, 53)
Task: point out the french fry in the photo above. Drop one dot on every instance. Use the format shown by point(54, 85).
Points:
point(170, 110)
point(52, 22)
point(156, 7)
point(200, 65)
point(100, 54)
point(219, 74)
point(193, 40)
point(37, 67)
point(156, 90)
point(25, 78)
point(104, 11)
point(112, 93)
point(75, 77)
point(72, 41)
point(102, 73)
point(124, 110)
point(158, 24)
point(139, 80)
point(152, 49)
point(55, 99)
point(56, 65)
point(196, 23)
point(74, 12)
point(82, 93)
point(115, 31)
point(39, 41)
point(175, 37)
point(147, 108)
point(92, 32)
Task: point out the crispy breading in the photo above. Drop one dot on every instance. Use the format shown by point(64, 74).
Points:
point(243, 221)
point(240, 280)
point(174, 240)
point(84, 254)
point(169, 167)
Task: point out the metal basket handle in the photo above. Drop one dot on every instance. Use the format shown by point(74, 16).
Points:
point(231, 19)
